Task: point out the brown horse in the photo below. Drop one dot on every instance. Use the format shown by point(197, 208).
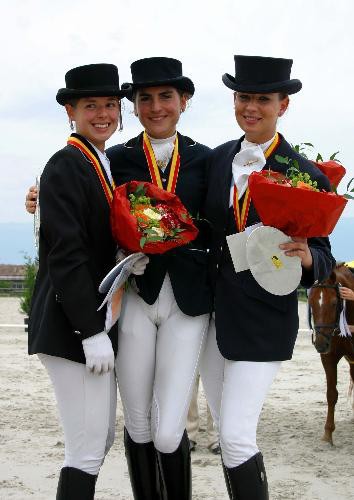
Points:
point(325, 305)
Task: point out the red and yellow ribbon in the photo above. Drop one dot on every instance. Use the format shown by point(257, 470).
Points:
point(242, 214)
point(106, 186)
point(154, 169)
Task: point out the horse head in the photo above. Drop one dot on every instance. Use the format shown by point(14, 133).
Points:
point(325, 306)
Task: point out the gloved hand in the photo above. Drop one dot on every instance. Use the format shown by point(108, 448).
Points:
point(138, 268)
point(99, 353)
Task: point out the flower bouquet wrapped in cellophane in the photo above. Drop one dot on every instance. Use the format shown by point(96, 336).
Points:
point(293, 203)
point(146, 218)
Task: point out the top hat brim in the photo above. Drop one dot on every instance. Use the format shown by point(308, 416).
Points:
point(65, 95)
point(181, 83)
point(288, 86)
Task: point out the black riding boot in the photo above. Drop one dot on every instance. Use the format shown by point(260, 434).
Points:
point(176, 473)
point(143, 470)
point(227, 482)
point(75, 484)
point(248, 481)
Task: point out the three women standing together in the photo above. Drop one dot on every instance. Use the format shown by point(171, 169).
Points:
point(163, 326)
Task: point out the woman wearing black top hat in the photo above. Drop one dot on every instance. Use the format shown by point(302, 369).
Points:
point(255, 329)
point(76, 251)
point(165, 315)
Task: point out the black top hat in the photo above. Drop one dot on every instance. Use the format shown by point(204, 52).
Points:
point(92, 80)
point(156, 72)
point(256, 74)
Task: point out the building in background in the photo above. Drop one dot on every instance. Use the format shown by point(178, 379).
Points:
point(12, 278)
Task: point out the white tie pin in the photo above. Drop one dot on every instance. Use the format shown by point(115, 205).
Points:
point(249, 162)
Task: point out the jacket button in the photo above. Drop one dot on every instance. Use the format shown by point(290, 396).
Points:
point(77, 332)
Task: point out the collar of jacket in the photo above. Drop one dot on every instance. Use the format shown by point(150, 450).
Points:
point(183, 141)
point(134, 149)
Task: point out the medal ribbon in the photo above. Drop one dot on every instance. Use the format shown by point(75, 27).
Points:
point(80, 143)
point(154, 169)
point(242, 214)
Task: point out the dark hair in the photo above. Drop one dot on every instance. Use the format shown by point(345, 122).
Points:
point(282, 95)
point(73, 101)
point(180, 92)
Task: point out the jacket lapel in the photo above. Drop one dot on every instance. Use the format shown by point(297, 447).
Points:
point(226, 177)
point(135, 153)
point(283, 149)
point(186, 149)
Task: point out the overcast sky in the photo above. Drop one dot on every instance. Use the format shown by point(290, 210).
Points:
point(40, 40)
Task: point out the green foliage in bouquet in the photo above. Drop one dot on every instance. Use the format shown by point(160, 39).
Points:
point(294, 173)
point(303, 147)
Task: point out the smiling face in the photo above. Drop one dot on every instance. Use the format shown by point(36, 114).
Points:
point(257, 114)
point(159, 109)
point(96, 118)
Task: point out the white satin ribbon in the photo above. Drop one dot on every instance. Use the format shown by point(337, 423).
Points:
point(343, 325)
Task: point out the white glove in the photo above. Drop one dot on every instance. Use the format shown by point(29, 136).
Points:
point(138, 268)
point(99, 353)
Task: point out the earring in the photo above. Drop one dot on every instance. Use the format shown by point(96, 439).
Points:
point(71, 124)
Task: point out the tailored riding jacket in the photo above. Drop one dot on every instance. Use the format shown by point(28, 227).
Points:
point(187, 265)
point(251, 323)
point(76, 251)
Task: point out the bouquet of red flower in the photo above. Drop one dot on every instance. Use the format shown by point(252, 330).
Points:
point(149, 219)
point(333, 170)
point(293, 204)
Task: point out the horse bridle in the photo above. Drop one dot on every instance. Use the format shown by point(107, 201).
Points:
point(334, 327)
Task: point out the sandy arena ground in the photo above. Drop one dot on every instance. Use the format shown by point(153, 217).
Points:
point(299, 465)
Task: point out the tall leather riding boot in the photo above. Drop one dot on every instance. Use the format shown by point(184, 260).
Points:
point(176, 472)
point(227, 482)
point(248, 481)
point(143, 470)
point(75, 484)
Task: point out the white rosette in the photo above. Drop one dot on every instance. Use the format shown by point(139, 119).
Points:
point(271, 268)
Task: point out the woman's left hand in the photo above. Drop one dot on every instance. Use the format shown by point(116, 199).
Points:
point(300, 248)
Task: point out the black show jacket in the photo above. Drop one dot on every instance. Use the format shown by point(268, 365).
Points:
point(76, 251)
point(187, 265)
point(252, 324)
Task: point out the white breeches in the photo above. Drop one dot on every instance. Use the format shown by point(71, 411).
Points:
point(159, 349)
point(87, 407)
point(193, 419)
point(235, 391)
